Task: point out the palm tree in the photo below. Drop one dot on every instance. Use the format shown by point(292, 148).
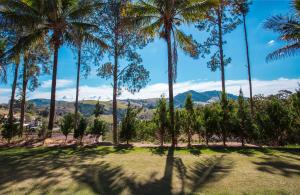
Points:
point(289, 29)
point(163, 19)
point(53, 17)
point(13, 90)
point(77, 37)
point(35, 60)
point(243, 8)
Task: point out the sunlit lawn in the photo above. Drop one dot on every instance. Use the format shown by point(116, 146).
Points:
point(107, 170)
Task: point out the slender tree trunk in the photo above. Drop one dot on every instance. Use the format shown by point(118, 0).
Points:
point(206, 138)
point(243, 141)
point(220, 12)
point(248, 65)
point(189, 139)
point(115, 93)
point(77, 86)
point(24, 89)
point(171, 80)
point(162, 138)
point(224, 137)
point(13, 93)
point(53, 89)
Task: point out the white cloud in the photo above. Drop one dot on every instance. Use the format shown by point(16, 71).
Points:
point(272, 42)
point(60, 83)
point(104, 92)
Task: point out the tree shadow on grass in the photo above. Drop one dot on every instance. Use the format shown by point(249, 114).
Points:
point(104, 178)
point(276, 166)
point(209, 171)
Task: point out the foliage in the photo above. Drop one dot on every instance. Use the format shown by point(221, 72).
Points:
point(98, 128)
point(245, 124)
point(128, 124)
point(99, 109)
point(212, 120)
point(190, 118)
point(80, 130)
point(67, 124)
point(161, 118)
point(145, 130)
point(221, 20)
point(9, 130)
point(288, 28)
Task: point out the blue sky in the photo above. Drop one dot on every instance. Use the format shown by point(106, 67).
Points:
point(192, 74)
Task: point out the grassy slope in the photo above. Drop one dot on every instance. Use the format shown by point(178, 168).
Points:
point(105, 170)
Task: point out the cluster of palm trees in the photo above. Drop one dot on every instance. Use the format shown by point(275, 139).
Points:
point(54, 23)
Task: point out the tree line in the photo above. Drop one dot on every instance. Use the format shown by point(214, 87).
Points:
point(32, 32)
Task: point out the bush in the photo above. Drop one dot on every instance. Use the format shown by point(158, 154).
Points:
point(79, 132)
point(9, 131)
point(98, 128)
point(67, 124)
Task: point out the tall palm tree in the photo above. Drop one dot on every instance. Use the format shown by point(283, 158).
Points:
point(78, 37)
point(243, 8)
point(35, 60)
point(53, 17)
point(13, 89)
point(288, 27)
point(163, 19)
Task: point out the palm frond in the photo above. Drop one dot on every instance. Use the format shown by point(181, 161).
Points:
point(186, 43)
point(287, 51)
point(196, 10)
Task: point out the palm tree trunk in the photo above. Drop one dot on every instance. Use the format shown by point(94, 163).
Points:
point(248, 64)
point(115, 93)
point(77, 86)
point(170, 79)
point(53, 89)
point(219, 12)
point(13, 93)
point(24, 89)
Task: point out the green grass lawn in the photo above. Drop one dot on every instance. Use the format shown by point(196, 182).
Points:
point(107, 170)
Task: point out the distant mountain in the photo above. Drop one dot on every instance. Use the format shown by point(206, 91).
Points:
point(87, 107)
point(200, 97)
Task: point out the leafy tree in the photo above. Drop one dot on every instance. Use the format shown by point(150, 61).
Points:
point(81, 128)
point(221, 20)
point(178, 124)
point(279, 120)
point(161, 118)
point(98, 128)
point(9, 130)
point(212, 121)
point(122, 44)
point(99, 109)
point(227, 118)
point(190, 118)
point(128, 124)
point(288, 28)
point(55, 18)
point(145, 130)
point(242, 8)
point(67, 124)
point(245, 125)
point(163, 19)
point(199, 122)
